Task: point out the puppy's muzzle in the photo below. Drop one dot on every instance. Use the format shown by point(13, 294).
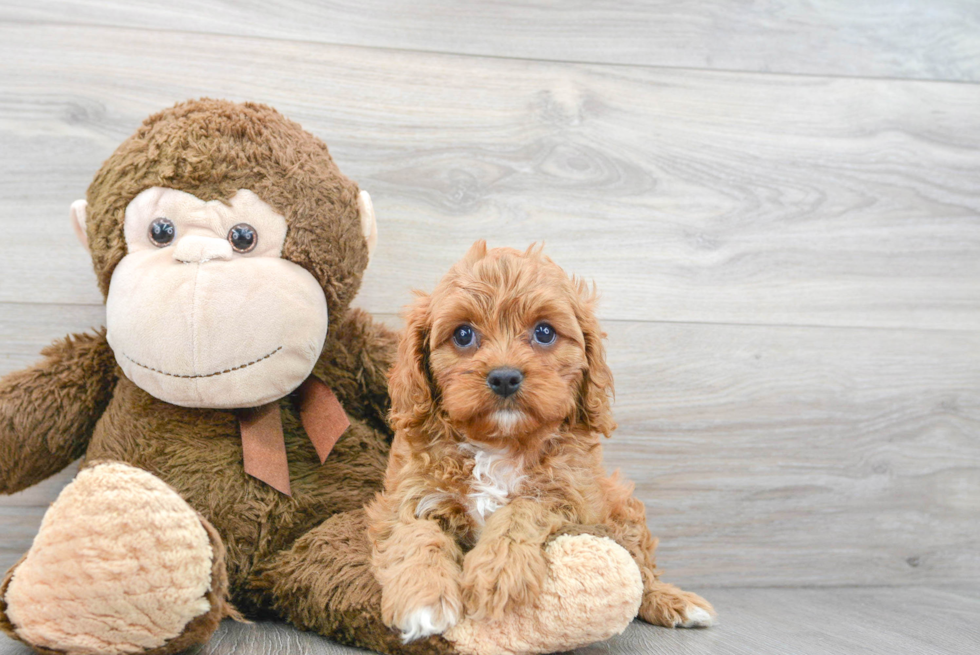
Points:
point(505, 381)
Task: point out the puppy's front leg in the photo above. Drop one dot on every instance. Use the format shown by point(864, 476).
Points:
point(418, 566)
point(507, 566)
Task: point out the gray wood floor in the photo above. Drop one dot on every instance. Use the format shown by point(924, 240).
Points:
point(779, 201)
point(837, 621)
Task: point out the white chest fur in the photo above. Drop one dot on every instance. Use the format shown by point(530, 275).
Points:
point(496, 477)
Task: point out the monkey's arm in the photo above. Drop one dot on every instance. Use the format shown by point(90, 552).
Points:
point(48, 411)
point(355, 364)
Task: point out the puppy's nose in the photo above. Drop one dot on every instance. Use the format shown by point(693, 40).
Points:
point(504, 381)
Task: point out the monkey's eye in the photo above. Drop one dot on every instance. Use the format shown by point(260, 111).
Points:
point(243, 237)
point(464, 336)
point(162, 232)
point(544, 334)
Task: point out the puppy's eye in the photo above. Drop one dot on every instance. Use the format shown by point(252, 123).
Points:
point(464, 336)
point(544, 334)
point(162, 232)
point(243, 237)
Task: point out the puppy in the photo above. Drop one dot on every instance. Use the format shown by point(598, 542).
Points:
point(500, 398)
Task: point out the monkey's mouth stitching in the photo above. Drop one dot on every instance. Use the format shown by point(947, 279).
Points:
point(206, 375)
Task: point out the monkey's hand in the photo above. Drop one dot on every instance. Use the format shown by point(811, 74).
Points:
point(48, 411)
point(355, 363)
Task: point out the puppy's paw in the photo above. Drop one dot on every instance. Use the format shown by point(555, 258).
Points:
point(429, 620)
point(420, 602)
point(666, 605)
point(695, 617)
point(500, 575)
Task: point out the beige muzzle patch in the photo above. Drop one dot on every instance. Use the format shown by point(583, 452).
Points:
point(197, 321)
point(223, 334)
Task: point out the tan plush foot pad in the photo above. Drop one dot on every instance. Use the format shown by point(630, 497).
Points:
point(593, 591)
point(121, 564)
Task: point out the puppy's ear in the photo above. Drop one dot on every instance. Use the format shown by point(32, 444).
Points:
point(594, 411)
point(476, 252)
point(409, 383)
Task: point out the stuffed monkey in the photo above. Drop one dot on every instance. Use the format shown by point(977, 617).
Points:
point(231, 416)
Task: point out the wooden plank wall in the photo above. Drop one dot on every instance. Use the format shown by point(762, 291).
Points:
point(923, 39)
point(780, 203)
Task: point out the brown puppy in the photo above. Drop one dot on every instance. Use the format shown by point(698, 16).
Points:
point(500, 398)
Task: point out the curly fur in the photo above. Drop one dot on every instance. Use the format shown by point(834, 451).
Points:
point(477, 484)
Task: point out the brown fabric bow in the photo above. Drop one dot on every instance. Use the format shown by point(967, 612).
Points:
point(263, 442)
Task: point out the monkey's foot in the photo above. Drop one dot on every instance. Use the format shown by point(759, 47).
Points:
point(121, 564)
point(592, 592)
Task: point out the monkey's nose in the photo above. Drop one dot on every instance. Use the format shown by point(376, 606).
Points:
point(192, 249)
point(504, 381)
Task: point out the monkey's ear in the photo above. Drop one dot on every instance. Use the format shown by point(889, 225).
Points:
point(77, 214)
point(369, 226)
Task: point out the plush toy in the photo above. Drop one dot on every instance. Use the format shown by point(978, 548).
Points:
point(232, 415)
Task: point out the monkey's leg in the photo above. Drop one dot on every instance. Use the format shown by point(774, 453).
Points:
point(324, 583)
point(121, 564)
point(592, 592)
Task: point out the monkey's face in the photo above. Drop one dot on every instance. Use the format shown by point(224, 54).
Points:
point(203, 311)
